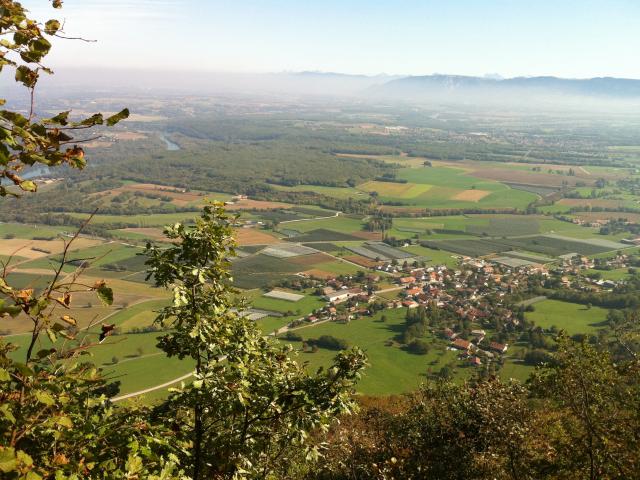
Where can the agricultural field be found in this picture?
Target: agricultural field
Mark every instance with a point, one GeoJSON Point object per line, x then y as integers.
{"type": "Point", "coordinates": [259, 270]}
{"type": "Point", "coordinates": [29, 232]}
{"type": "Point", "coordinates": [454, 188]}
{"type": "Point", "coordinates": [315, 208]}
{"type": "Point", "coordinates": [546, 245]}
{"type": "Point", "coordinates": [342, 193]}
{"type": "Point", "coordinates": [253, 236]}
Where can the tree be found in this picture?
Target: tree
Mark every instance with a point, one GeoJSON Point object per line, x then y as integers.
{"type": "Point", "coordinates": [251, 407]}
{"type": "Point", "coordinates": [55, 418]}
{"type": "Point", "coordinates": [27, 141]}
{"type": "Point", "coordinates": [597, 402]}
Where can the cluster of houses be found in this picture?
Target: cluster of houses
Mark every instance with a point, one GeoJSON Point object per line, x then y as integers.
{"type": "Point", "coordinates": [476, 349]}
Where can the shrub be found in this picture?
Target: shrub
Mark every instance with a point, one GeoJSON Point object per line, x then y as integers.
{"type": "Point", "coordinates": [329, 342]}
{"type": "Point", "coordinates": [419, 347]}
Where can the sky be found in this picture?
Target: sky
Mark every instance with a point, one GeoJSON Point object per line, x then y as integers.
{"type": "Point", "coordinates": [566, 38]}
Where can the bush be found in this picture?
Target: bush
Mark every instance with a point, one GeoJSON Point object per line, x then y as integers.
{"type": "Point", "coordinates": [537, 357]}
{"type": "Point", "coordinates": [329, 342]}
{"type": "Point", "coordinates": [419, 347]}
{"type": "Point", "coordinates": [292, 336]}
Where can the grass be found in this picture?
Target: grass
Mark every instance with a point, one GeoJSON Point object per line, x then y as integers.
{"type": "Point", "coordinates": [337, 267]}
{"type": "Point", "coordinates": [392, 370]}
{"type": "Point", "coordinates": [572, 317]}
{"type": "Point", "coordinates": [342, 224]}
{"type": "Point", "coordinates": [97, 256]}
{"type": "Point", "coordinates": [138, 365]}
{"type": "Point", "coordinates": [615, 275]}
{"type": "Point", "coordinates": [30, 231]}
{"type": "Point", "coordinates": [139, 315]}
{"type": "Point", "coordinates": [323, 235]}
{"type": "Point", "coordinates": [445, 183]}
{"type": "Point", "coordinates": [433, 257]}
{"type": "Point", "coordinates": [516, 370]}
{"type": "Point", "coordinates": [335, 192]}
{"type": "Point", "coordinates": [152, 220]}
{"type": "Point", "coordinates": [304, 306]}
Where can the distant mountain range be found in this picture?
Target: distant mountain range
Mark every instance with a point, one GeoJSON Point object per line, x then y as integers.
{"type": "Point", "coordinates": [462, 86]}
{"type": "Point", "coordinates": [532, 91]}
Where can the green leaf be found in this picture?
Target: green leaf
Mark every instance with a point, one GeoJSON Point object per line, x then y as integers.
{"type": "Point", "coordinates": [52, 26]}
{"type": "Point", "coordinates": [64, 421]}
{"type": "Point", "coordinates": [61, 118]}
{"type": "Point", "coordinates": [4, 375]}
{"type": "Point", "coordinates": [44, 397]}
{"type": "Point", "coordinates": [8, 462]}
{"type": "Point", "coordinates": [112, 120]}
{"type": "Point", "coordinates": [28, 186]}
{"type": "Point", "coordinates": [105, 294]}
{"type": "Point", "coordinates": [7, 413]}
{"type": "Point", "coordinates": [26, 76]}
{"type": "Point", "coordinates": [93, 120]}
{"type": "Point", "coordinates": [11, 310]}
{"type": "Point", "coordinates": [52, 336]}
{"type": "Point", "coordinates": [24, 458]}
{"type": "Point", "coordinates": [23, 369]}
{"type": "Point", "coordinates": [32, 476]}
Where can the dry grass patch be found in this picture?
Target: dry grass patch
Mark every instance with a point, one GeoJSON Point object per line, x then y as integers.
{"type": "Point", "coordinates": [525, 177]}
{"type": "Point", "coordinates": [33, 249]}
{"type": "Point", "coordinates": [252, 236]}
{"type": "Point", "coordinates": [471, 195]}
{"type": "Point", "coordinates": [368, 235]}
{"type": "Point", "coordinates": [313, 259]}
{"type": "Point", "coordinates": [320, 274]}
{"type": "Point", "coordinates": [595, 216]}
{"type": "Point", "coordinates": [588, 202]}
{"type": "Point", "coordinates": [362, 261]}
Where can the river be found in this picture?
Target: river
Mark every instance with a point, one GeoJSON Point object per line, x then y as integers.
{"type": "Point", "coordinates": [171, 146]}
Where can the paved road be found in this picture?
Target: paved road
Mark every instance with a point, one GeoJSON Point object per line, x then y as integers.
{"type": "Point", "coordinates": [311, 219]}
{"type": "Point", "coordinates": [151, 389]}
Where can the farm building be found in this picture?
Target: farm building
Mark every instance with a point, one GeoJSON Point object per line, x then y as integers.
{"type": "Point", "coordinates": [342, 295]}
{"type": "Point", "coordinates": [498, 347]}
{"type": "Point", "coordinates": [461, 344]}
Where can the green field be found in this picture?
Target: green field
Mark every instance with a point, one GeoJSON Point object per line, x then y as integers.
{"type": "Point", "coordinates": [444, 185]}
{"type": "Point", "coordinates": [392, 369]}
{"type": "Point", "coordinates": [335, 192]}
{"type": "Point", "coordinates": [107, 253]}
{"type": "Point", "coordinates": [572, 317]}
{"type": "Point", "coordinates": [31, 231]}
{"type": "Point", "coordinates": [341, 224]}
{"type": "Point", "coordinates": [546, 245]}
{"type": "Point", "coordinates": [304, 306]}
{"type": "Point", "coordinates": [151, 220]}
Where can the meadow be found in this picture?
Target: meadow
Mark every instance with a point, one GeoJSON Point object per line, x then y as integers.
{"type": "Point", "coordinates": [571, 317]}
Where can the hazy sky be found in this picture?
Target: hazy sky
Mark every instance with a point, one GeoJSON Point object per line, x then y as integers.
{"type": "Point", "coordinates": [569, 38]}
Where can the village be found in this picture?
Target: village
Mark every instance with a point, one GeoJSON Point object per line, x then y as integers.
{"type": "Point", "coordinates": [477, 313]}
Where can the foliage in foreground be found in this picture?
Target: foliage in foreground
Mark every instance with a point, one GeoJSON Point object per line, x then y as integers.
{"type": "Point", "coordinates": [578, 417]}
{"type": "Point", "coordinates": [251, 409]}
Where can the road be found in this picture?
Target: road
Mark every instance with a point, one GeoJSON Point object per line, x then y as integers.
{"type": "Point", "coordinates": [311, 219]}
{"type": "Point", "coordinates": [152, 389]}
